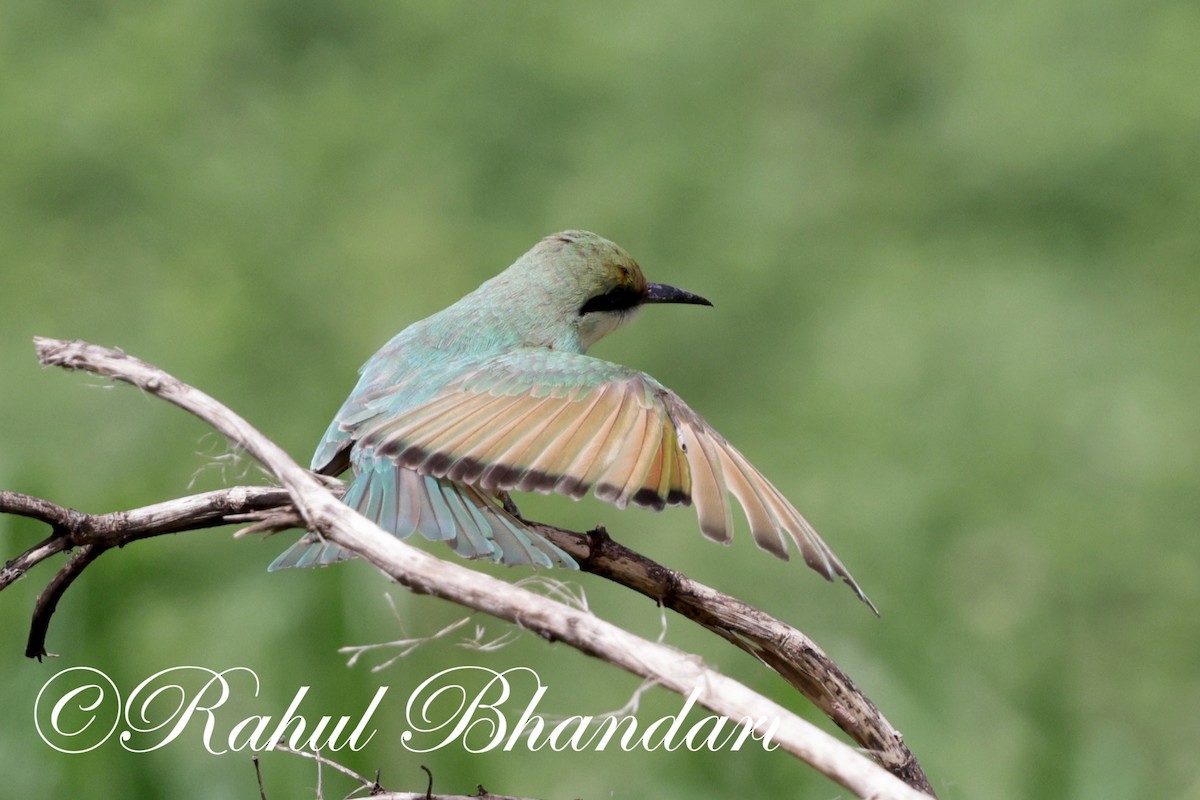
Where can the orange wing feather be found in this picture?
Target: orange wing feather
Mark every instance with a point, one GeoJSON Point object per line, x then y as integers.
{"type": "Point", "coordinates": [621, 435]}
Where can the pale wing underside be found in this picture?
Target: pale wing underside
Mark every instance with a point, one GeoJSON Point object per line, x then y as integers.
{"type": "Point", "coordinates": [626, 437]}
{"type": "Point", "coordinates": [611, 438]}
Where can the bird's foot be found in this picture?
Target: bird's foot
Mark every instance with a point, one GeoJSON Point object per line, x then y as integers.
{"type": "Point", "coordinates": [329, 481]}
{"type": "Point", "coordinates": [509, 506]}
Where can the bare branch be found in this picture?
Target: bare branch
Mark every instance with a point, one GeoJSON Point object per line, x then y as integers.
{"type": "Point", "coordinates": [47, 601]}
{"type": "Point", "coordinates": [425, 574]}
{"type": "Point", "coordinates": [95, 534]}
{"type": "Point", "coordinates": [59, 518]}
{"type": "Point", "coordinates": [783, 648]}
{"type": "Point", "coordinates": [71, 528]}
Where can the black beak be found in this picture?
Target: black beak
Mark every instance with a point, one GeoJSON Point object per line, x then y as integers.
{"type": "Point", "coordinates": [661, 293]}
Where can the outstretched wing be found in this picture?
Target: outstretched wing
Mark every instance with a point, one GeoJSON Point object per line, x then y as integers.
{"type": "Point", "coordinates": [553, 421]}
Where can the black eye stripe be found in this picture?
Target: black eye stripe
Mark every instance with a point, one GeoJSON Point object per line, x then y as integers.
{"type": "Point", "coordinates": [619, 298]}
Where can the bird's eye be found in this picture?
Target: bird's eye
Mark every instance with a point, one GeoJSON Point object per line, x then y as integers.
{"type": "Point", "coordinates": [618, 298]}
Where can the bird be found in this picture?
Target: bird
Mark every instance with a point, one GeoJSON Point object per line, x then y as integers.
{"type": "Point", "coordinates": [496, 393]}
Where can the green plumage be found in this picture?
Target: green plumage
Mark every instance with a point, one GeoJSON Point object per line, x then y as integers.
{"type": "Point", "coordinates": [496, 394]}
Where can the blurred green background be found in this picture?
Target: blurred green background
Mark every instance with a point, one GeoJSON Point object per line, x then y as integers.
{"type": "Point", "coordinates": [953, 252]}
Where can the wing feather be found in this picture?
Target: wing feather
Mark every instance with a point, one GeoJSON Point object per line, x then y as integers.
{"type": "Point", "coordinates": [622, 466]}
{"type": "Point", "coordinates": [491, 435]}
{"type": "Point", "coordinates": [496, 436]}
{"type": "Point", "coordinates": [556, 452]}
{"type": "Point", "coordinates": [708, 484]}
{"type": "Point", "coordinates": [442, 415]}
{"type": "Point", "coordinates": [527, 446]}
{"type": "Point", "coordinates": [580, 452]}
{"type": "Point", "coordinates": [466, 421]}
{"type": "Point", "coordinates": [553, 421]}
{"type": "Point", "coordinates": [640, 483]}
{"type": "Point", "coordinates": [763, 523]}
{"type": "Point", "coordinates": [677, 481]}
{"type": "Point", "coordinates": [816, 554]}
{"type": "Point", "coordinates": [615, 453]}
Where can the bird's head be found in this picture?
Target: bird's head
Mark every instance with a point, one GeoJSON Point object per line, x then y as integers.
{"type": "Point", "coordinates": [588, 286]}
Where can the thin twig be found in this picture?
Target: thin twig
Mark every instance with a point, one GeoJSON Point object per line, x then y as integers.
{"type": "Point", "coordinates": [429, 786]}
{"type": "Point", "coordinates": [423, 796]}
{"type": "Point", "coordinates": [47, 602]}
{"type": "Point", "coordinates": [262, 792]}
{"type": "Point", "coordinates": [321, 760]}
{"type": "Point", "coordinates": [375, 790]}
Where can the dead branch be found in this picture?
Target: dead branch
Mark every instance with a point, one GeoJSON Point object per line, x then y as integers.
{"type": "Point", "coordinates": [781, 647]}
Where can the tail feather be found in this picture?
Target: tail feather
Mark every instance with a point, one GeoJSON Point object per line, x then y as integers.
{"type": "Point", "coordinates": [402, 501]}
{"type": "Point", "coordinates": [465, 532]}
{"type": "Point", "coordinates": [515, 542]}
{"type": "Point", "coordinates": [310, 551]}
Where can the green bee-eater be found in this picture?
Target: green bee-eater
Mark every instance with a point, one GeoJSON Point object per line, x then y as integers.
{"type": "Point", "coordinates": [496, 394]}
